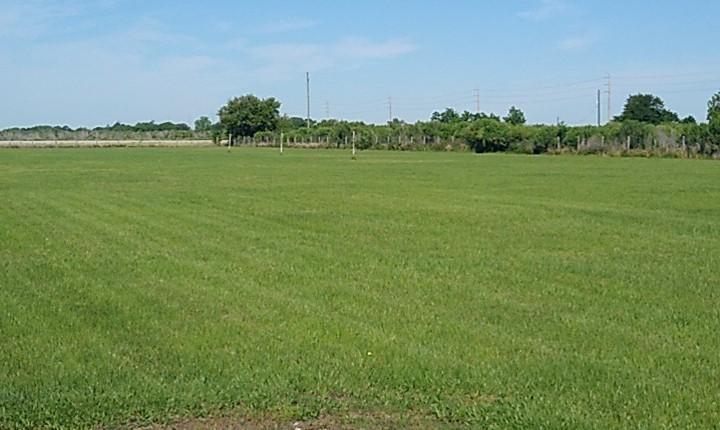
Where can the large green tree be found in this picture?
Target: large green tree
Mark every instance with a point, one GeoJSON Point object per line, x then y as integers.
{"type": "Point", "coordinates": [449, 115]}
{"type": "Point", "coordinates": [203, 124]}
{"type": "Point", "coordinates": [286, 123]}
{"type": "Point", "coordinates": [515, 116]}
{"type": "Point", "coordinates": [713, 117]}
{"type": "Point", "coordinates": [646, 108]}
{"type": "Point", "coordinates": [713, 113]}
{"type": "Point", "coordinates": [247, 115]}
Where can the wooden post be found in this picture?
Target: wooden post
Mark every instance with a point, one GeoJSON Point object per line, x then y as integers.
{"type": "Point", "coordinates": [353, 145]}
{"type": "Point", "coordinates": [281, 142]}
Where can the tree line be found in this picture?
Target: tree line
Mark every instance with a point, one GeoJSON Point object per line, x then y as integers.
{"type": "Point", "coordinates": [118, 131]}
{"type": "Point", "coordinates": [645, 127]}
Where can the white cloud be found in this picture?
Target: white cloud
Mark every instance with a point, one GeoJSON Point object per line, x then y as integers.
{"type": "Point", "coordinates": [285, 52]}
{"type": "Point", "coordinates": [35, 18]}
{"type": "Point", "coordinates": [350, 49]}
{"type": "Point", "coordinates": [107, 74]}
{"type": "Point", "coordinates": [282, 60]}
{"type": "Point", "coordinates": [362, 49]}
{"type": "Point", "coordinates": [148, 30]}
{"type": "Point", "coordinates": [287, 25]}
{"type": "Point", "coordinates": [238, 43]}
{"type": "Point", "coordinates": [547, 9]}
{"type": "Point", "coordinates": [575, 43]}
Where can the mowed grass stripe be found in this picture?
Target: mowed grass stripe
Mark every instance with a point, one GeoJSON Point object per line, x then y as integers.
{"type": "Point", "coordinates": [497, 291]}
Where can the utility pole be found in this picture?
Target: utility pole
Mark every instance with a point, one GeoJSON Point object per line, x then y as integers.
{"type": "Point", "coordinates": [390, 112]}
{"type": "Point", "coordinates": [477, 100]}
{"type": "Point", "coordinates": [599, 106]}
{"type": "Point", "coordinates": [327, 109]}
{"type": "Point", "coordinates": [307, 78]}
{"type": "Point", "coordinates": [609, 98]}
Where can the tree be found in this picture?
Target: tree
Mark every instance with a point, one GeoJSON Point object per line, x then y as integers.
{"type": "Point", "coordinates": [714, 121]}
{"type": "Point", "coordinates": [247, 115]}
{"type": "Point", "coordinates": [469, 116]}
{"type": "Point", "coordinates": [713, 113]}
{"type": "Point", "coordinates": [203, 124]}
{"type": "Point", "coordinates": [646, 108]}
{"type": "Point", "coordinates": [287, 123]}
{"type": "Point", "coordinates": [515, 116]}
{"type": "Point", "coordinates": [447, 116]}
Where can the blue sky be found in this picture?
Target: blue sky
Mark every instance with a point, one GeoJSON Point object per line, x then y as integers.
{"type": "Point", "coordinates": [88, 63]}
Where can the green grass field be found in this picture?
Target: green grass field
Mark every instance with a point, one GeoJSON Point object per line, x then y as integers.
{"type": "Point", "coordinates": [446, 290]}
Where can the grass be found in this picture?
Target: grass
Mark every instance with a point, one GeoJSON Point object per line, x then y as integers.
{"type": "Point", "coordinates": [497, 291]}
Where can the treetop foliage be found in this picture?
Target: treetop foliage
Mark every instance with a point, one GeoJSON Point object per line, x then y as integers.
{"type": "Point", "coordinates": [248, 114]}
{"type": "Point", "coordinates": [139, 127]}
{"type": "Point", "coordinates": [515, 116]}
{"type": "Point", "coordinates": [713, 112]}
{"type": "Point", "coordinates": [646, 108]}
{"type": "Point", "coordinates": [203, 124]}
{"type": "Point", "coordinates": [450, 115]}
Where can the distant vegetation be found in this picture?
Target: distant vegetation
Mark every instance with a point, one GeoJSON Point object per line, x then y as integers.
{"type": "Point", "coordinates": [139, 131]}
{"type": "Point", "coordinates": [645, 127]}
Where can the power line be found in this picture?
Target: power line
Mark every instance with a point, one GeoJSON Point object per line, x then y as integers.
{"type": "Point", "coordinates": [690, 90]}
{"type": "Point", "coordinates": [576, 87]}
{"type": "Point", "coordinates": [473, 96]}
{"type": "Point", "coordinates": [359, 112]}
{"type": "Point", "coordinates": [509, 99]}
{"type": "Point", "coordinates": [404, 102]}
{"type": "Point", "coordinates": [495, 93]}
{"type": "Point", "coordinates": [715, 81]}
{"type": "Point", "coordinates": [492, 97]}
{"type": "Point", "coordinates": [678, 75]}
{"type": "Point", "coordinates": [543, 87]}
{"type": "Point", "coordinates": [363, 103]}
{"type": "Point", "coordinates": [439, 98]}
